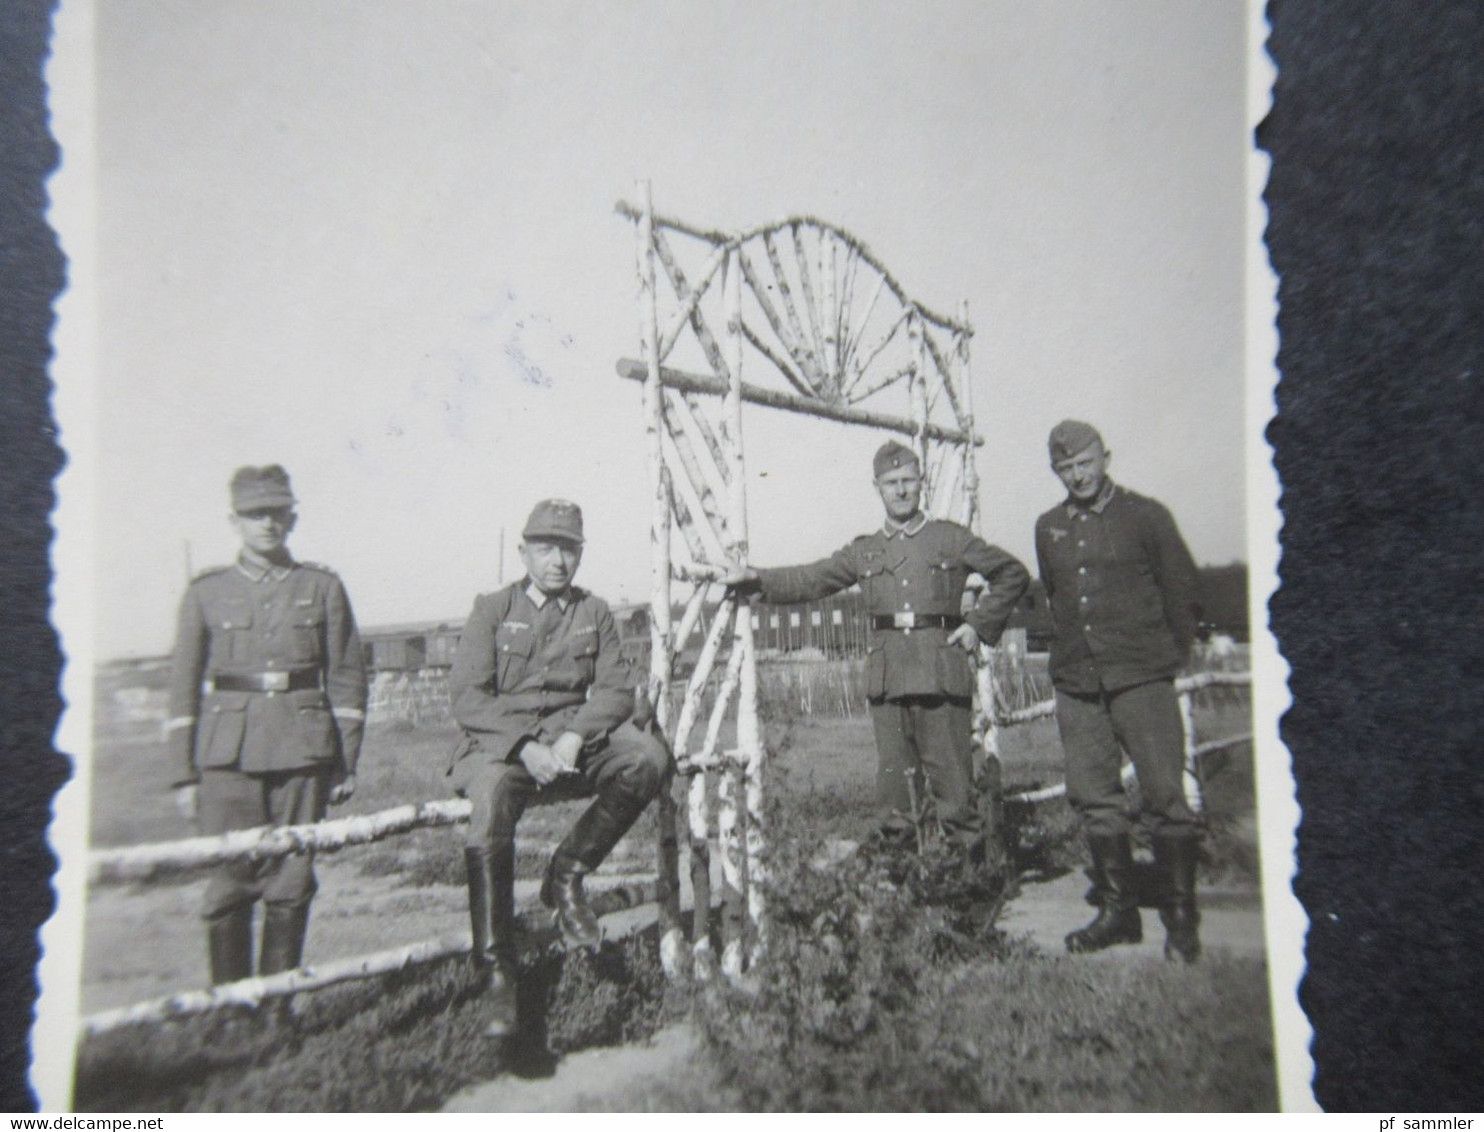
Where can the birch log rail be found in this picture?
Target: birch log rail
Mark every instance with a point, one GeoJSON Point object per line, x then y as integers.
{"type": "Point", "coordinates": [150, 862]}
{"type": "Point", "coordinates": [536, 928]}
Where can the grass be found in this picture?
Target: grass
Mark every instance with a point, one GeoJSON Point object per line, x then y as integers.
{"type": "Point", "coordinates": [404, 1042]}
{"type": "Point", "coordinates": [887, 990]}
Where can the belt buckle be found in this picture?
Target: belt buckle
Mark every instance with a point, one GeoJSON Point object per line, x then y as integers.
{"type": "Point", "coordinates": [905, 620]}
{"type": "Point", "coordinates": [275, 681]}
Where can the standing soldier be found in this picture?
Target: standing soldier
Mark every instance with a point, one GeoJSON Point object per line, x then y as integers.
{"type": "Point", "coordinates": [267, 708]}
{"type": "Point", "coordinates": [1125, 610]}
{"type": "Point", "coordinates": [541, 689]}
{"type": "Point", "coordinates": [919, 680]}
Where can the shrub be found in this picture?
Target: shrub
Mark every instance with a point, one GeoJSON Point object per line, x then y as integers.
{"type": "Point", "coordinates": [847, 1002]}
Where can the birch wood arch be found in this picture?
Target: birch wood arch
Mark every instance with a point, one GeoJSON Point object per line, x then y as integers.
{"type": "Point", "coordinates": [820, 327]}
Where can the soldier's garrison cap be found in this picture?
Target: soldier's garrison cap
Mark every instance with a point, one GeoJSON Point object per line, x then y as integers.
{"type": "Point", "coordinates": [255, 488]}
{"type": "Point", "coordinates": [555, 518]}
{"type": "Point", "coordinates": [1070, 438]}
{"type": "Point", "coordinates": [891, 456]}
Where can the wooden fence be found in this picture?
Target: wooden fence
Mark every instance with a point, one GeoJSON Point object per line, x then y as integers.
{"type": "Point", "coordinates": [147, 863]}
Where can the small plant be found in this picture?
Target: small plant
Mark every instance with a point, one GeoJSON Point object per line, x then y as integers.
{"type": "Point", "coordinates": [849, 993]}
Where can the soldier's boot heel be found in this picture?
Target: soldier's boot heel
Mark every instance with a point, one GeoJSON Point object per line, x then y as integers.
{"type": "Point", "coordinates": [229, 945]}
{"type": "Point", "coordinates": [491, 879]}
{"type": "Point", "coordinates": [1177, 860]}
{"type": "Point", "coordinates": [1118, 920]}
{"type": "Point", "coordinates": [561, 891]}
{"type": "Point", "coordinates": [1111, 926]}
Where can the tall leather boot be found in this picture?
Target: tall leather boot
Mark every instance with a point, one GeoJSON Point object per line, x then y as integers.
{"type": "Point", "coordinates": [229, 944]}
{"type": "Point", "coordinates": [1118, 919]}
{"type": "Point", "coordinates": [1176, 859]}
{"type": "Point", "coordinates": [491, 874]}
{"type": "Point", "coordinates": [284, 927]}
{"type": "Point", "coordinates": [597, 831]}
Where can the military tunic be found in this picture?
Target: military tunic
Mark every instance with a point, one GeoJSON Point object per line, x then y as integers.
{"type": "Point", "coordinates": [1125, 607]}
{"type": "Point", "coordinates": [267, 699]}
{"type": "Point", "coordinates": [920, 686]}
{"type": "Point", "coordinates": [528, 668]}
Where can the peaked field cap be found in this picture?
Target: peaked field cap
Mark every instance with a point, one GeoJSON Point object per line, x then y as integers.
{"type": "Point", "coordinates": [268, 486]}
{"type": "Point", "coordinates": [891, 456]}
{"type": "Point", "coordinates": [555, 518]}
{"type": "Point", "coordinates": [1070, 438]}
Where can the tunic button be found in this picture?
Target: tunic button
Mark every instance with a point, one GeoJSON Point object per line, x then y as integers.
{"type": "Point", "coordinates": [1081, 569]}
{"type": "Point", "coordinates": [1084, 599]}
{"type": "Point", "coordinates": [1081, 543]}
{"type": "Point", "coordinates": [1087, 628]}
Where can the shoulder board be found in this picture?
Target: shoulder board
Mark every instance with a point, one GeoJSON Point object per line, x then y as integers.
{"type": "Point", "coordinates": [320, 566]}
{"type": "Point", "coordinates": [210, 571]}
{"type": "Point", "coordinates": [867, 537]}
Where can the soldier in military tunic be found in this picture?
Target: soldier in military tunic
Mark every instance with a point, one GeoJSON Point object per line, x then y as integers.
{"type": "Point", "coordinates": [1125, 609]}
{"type": "Point", "coordinates": [919, 680]}
{"type": "Point", "coordinates": [267, 709]}
{"type": "Point", "coordinates": [543, 694]}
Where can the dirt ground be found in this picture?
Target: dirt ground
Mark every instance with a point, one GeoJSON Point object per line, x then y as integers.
{"type": "Point", "coordinates": [622, 1078]}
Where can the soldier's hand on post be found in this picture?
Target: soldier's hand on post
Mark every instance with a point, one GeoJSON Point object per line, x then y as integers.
{"type": "Point", "coordinates": [544, 766]}
{"type": "Point", "coordinates": [740, 578]}
{"type": "Point", "coordinates": [566, 749]}
{"type": "Point", "coordinates": [343, 790]}
{"type": "Point", "coordinates": [185, 802]}
{"type": "Point", "coordinates": [965, 637]}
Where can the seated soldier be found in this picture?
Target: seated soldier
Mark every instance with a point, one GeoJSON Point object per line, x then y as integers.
{"type": "Point", "coordinates": [542, 694]}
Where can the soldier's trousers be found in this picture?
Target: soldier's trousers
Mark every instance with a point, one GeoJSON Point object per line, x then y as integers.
{"type": "Point", "coordinates": [227, 800]}
{"type": "Point", "coordinates": [631, 761]}
{"type": "Point", "coordinates": [1144, 721]}
{"type": "Point", "coordinates": [926, 741]}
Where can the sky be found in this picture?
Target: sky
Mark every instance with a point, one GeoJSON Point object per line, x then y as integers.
{"type": "Point", "coordinates": [376, 242]}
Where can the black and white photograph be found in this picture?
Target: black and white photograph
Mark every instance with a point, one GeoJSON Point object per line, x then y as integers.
{"type": "Point", "coordinates": [666, 557]}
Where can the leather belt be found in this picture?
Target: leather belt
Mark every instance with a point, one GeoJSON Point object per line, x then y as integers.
{"type": "Point", "coordinates": [289, 680]}
{"type": "Point", "coordinates": [917, 621]}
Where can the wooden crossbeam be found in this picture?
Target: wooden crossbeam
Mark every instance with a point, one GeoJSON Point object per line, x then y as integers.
{"type": "Point", "coordinates": [773, 399]}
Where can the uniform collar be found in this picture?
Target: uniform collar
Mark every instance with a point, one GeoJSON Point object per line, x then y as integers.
{"type": "Point", "coordinates": [255, 570]}
{"type": "Point", "coordinates": [539, 598]}
{"type": "Point", "coordinates": [908, 529]}
{"type": "Point", "coordinates": [1098, 505]}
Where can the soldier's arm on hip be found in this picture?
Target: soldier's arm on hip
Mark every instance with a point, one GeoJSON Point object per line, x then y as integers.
{"type": "Point", "coordinates": [1007, 578]}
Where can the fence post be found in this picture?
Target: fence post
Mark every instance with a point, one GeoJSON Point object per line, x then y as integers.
{"type": "Point", "coordinates": [1192, 770]}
